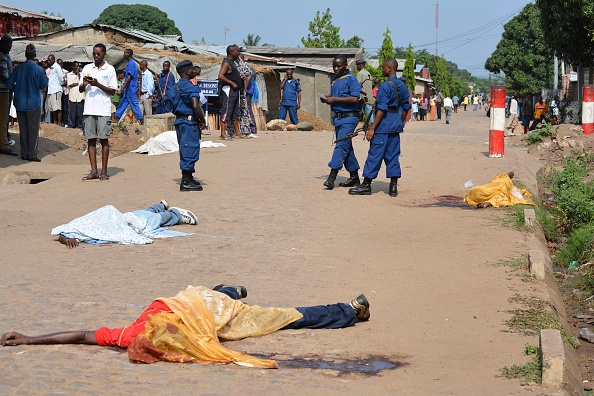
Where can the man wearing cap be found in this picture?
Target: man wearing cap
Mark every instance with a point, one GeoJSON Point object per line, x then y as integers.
{"type": "Point", "coordinates": [365, 79]}
{"type": "Point", "coordinates": [26, 81]}
{"type": "Point", "coordinates": [189, 121]}
{"type": "Point", "coordinates": [99, 82]}
{"type": "Point", "coordinates": [291, 97]}
{"type": "Point", "coordinates": [129, 91]}
{"type": "Point", "coordinates": [232, 87]}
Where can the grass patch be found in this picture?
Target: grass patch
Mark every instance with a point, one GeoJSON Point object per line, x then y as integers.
{"type": "Point", "coordinates": [531, 371]}
{"type": "Point", "coordinates": [579, 247]}
{"type": "Point", "coordinates": [538, 135]}
{"type": "Point", "coordinates": [532, 320]}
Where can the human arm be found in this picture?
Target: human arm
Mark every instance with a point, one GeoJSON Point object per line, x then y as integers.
{"type": "Point", "coordinates": [222, 75]}
{"type": "Point", "coordinates": [281, 86]}
{"type": "Point", "coordinates": [94, 83]}
{"type": "Point", "coordinates": [70, 242]}
{"type": "Point", "coordinates": [299, 99]}
{"type": "Point", "coordinates": [198, 112]}
{"type": "Point", "coordinates": [125, 84]}
{"type": "Point", "coordinates": [334, 99]}
{"type": "Point", "coordinates": [64, 337]}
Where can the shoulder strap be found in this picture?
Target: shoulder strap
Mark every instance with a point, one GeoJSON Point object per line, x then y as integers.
{"type": "Point", "coordinates": [340, 78]}
{"type": "Point", "coordinates": [396, 90]}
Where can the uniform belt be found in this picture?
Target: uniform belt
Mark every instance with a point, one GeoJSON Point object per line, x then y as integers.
{"type": "Point", "coordinates": [392, 109]}
{"type": "Point", "coordinates": [185, 117]}
{"type": "Point", "coordinates": [347, 114]}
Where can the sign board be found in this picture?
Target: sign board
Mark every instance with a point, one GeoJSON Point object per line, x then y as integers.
{"type": "Point", "coordinates": [209, 87]}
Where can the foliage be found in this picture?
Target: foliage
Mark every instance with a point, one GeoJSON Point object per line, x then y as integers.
{"type": "Point", "coordinates": [574, 198]}
{"type": "Point", "coordinates": [522, 53]}
{"type": "Point", "coordinates": [401, 52]}
{"type": "Point", "coordinates": [50, 27]}
{"type": "Point", "coordinates": [568, 27]}
{"type": "Point", "coordinates": [354, 42]}
{"type": "Point", "coordinates": [532, 320]}
{"type": "Point", "coordinates": [531, 371]}
{"type": "Point", "coordinates": [579, 247]}
{"type": "Point", "coordinates": [138, 16]}
{"type": "Point", "coordinates": [252, 40]}
{"type": "Point", "coordinates": [530, 350]}
{"type": "Point", "coordinates": [442, 77]}
{"type": "Point", "coordinates": [409, 69]}
{"type": "Point", "coordinates": [538, 135]}
{"type": "Point", "coordinates": [323, 34]}
{"type": "Point", "coordinates": [386, 51]}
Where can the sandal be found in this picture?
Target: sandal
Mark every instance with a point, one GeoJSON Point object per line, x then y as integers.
{"type": "Point", "coordinates": [91, 176]}
{"type": "Point", "coordinates": [104, 176]}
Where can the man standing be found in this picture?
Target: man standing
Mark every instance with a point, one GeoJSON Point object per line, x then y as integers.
{"type": "Point", "coordinates": [5, 45]}
{"type": "Point", "coordinates": [447, 105]}
{"type": "Point", "coordinates": [65, 109]}
{"type": "Point", "coordinates": [344, 102]}
{"type": "Point", "coordinates": [166, 83]}
{"type": "Point", "coordinates": [129, 91]}
{"type": "Point", "coordinates": [232, 86]}
{"type": "Point", "coordinates": [513, 114]}
{"type": "Point", "coordinates": [438, 103]}
{"type": "Point", "coordinates": [364, 78]}
{"type": "Point", "coordinates": [99, 83]}
{"type": "Point", "coordinates": [392, 107]}
{"type": "Point", "coordinates": [26, 81]}
{"type": "Point", "coordinates": [148, 89]}
{"type": "Point", "coordinates": [189, 121]}
{"type": "Point", "coordinates": [76, 98]}
{"type": "Point", "coordinates": [455, 101]}
{"type": "Point", "coordinates": [54, 89]}
{"type": "Point", "coordinates": [291, 100]}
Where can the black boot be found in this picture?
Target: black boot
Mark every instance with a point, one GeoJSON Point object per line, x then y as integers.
{"type": "Point", "coordinates": [363, 189]}
{"type": "Point", "coordinates": [393, 187]}
{"type": "Point", "coordinates": [352, 181]}
{"type": "Point", "coordinates": [187, 184]}
{"type": "Point", "coordinates": [329, 183]}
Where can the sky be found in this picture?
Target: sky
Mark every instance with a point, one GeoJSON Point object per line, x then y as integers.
{"type": "Point", "coordinates": [468, 30]}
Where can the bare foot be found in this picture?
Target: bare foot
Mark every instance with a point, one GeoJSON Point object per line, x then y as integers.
{"type": "Point", "coordinates": [483, 205]}
{"type": "Point", "coordinates": [511, 174]}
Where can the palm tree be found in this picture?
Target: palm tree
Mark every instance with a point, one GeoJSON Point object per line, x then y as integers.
{"type": "Point", "coordinates": [252, 40]}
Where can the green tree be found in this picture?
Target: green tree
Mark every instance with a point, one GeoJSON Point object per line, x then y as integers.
{"type": "Point", "coordinates": [138, 16]}
{"type": "Point", "coordinates": [354, 42]}
{"type": "Point", "coordinates": [400, 52]}
{"type": "Point", "coordinates": [409, 69]}
{"type": "Point", "coordinates": [442, 77]}
{"type": "Point", "coordinates": [50, 27]}
{"type": "Point", "coordinates": [322, 33]}
{"type": "Point", "coordinates": [252, 40]}
{"type": "Point", "coordinates": [522, 53]}
{"type": "Point", "coordinates": [568, 28]}
{"type": "Point", "coordinates": [386, 51]}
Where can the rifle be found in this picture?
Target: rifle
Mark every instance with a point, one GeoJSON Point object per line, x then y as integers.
{"type": "Point", "coordinates": [356, 132]}
{"type": "Point", "coordinates": [159, 86]}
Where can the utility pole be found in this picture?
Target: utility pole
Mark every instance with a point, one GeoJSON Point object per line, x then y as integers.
{"type": "Point", "coordinates": [226, 29]}
{"type": "Point", "coordinates": [436, 24]}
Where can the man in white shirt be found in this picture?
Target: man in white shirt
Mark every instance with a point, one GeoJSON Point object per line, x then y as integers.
{"type": "Point", "coordinates": [75, 98]}
{"type": "Point", "coordinates": [99, 82]}
{"type": "Point", "coordinates": [448, 105]}
{"type": "Point", "coordinates": [147, 90]}
{"type": "Point", "coordinates": [513, 114]}
{"type": "Point", "coordinates": [54, 89]}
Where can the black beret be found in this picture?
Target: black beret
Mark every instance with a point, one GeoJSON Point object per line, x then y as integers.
{"type": "Point", "coordinates": [30, 48]}
{"type": "Point", "coordinates": [360, 61]}
{"type": "Point", "coordinates": [184, 66]}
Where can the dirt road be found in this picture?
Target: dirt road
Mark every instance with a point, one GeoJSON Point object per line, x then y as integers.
{"type": "Point", "coordinates": [438, 302]}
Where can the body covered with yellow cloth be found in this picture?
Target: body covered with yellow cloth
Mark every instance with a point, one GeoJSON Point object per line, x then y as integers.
{"type": "Point", "coordinates": [499, 192]}
{"type": "Point", "coordinates": [200, 317]}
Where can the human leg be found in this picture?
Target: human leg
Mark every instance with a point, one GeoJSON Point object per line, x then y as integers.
{"type": "Point", "coordinates": [344, 153]}
{"type": "Point", "coordinates": [33, 122]}
{"type": "Point", "coordinates": [104, 158]}
{"type": "Point", "coordinates": [23, 133]}
{"type": "Point", "coordinates": [188, 138]}
{"type": "Point", "coordinates": [235, 292]}
{"type": "Point", "coordinates": [376, 153]}
{"type": "Point", "coordinates": [92, 150]}
{"type": "Point", "coordinates": [439, 111]}
{"type": "Point", "coordinates": [135, 107]}
{"type": "Point", "coordinates": [293, 115]}
{"type": "Point", "coordinates": [124, 103]}
{"type": "Point", "coordinates": [282, 112]}
{"type": "Point", "coordinates": [4, 109]}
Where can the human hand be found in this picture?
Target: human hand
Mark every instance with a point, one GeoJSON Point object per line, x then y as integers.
{"type": "Point", "coordinates": [369, 134]}
{"type": "Point", "coordinates": [13, 339]}
{"type": "Point", "coordinates": [329, 100]}
{"type": "Point", "coordinates": [298, 105]}
{"type": "Point", "coordinates": [233, 85]}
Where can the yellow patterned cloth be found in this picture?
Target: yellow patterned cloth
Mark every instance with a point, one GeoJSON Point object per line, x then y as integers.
{"type": "Point", "coordinates": [499, 192]}
{"type": "Point", "coordinates": [200, 317]}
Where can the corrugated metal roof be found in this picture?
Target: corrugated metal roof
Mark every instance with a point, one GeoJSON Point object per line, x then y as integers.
{"type": "Point", "coordinates": [300, 52]}
{"type": "Point", "coordinates": [68, 53]}
{"type": "Point", "coordinates": [29, 14]}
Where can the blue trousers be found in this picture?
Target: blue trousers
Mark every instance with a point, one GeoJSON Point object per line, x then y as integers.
{"type": "Point", "coordinates": [75, 114]}
{"type": "Point", "coordinates": [129, 99]}
{"type": "Point", "coordinates": [383, 147]}
{"type": "Point", "coordinates": [343, 153]}
{"type": "Point", "coordinates": [168, 217]}
{"type": "Point", "coordinates": [334, 316]}
{"type": "Point", "coordinates": [163, 107]}
{"type": "Point", "coordinates": [188, 138]}
{"type": "Point", "coordinates": [292, 109]}
{"type": "Point", "coordinates": [439, 111]}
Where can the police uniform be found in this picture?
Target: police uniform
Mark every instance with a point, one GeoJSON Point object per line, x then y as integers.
{"type": "Point", "coordinates": [345, 120]}
{"type": "Point", "coordinates": [186, 126]}
{"type": "Point", "coordinates": [385, 144]}
{"type": "Point", "coordinates": [289, 101]}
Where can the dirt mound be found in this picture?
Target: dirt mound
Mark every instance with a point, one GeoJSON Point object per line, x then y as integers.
{"type": "Point", "coordinates": [567, 139]}
{"type": "Point", "coordinates": [318, 124]}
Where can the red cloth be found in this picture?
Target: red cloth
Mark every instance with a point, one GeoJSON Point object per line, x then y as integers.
{"type": "Point", "coordinates": [124, 336]}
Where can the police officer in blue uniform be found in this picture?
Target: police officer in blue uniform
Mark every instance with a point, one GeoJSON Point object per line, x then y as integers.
{"type": "Point", "coordinates": [291, 97]}
{"type": "Point", "coordinates": [189, 120]}
{"type": "Point", "coordinates": [344, 102]}
{"type": "Point", "coordinates": [383, 134]}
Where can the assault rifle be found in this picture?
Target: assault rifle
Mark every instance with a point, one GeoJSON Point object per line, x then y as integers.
{"type": "Point", "coordinates": [357, 131]}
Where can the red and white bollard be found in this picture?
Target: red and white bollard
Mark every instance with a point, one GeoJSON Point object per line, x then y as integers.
{"type": "Point", "coordinates": [588, 109]}
{"type": "Point", "coordinates": [496, 133]}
